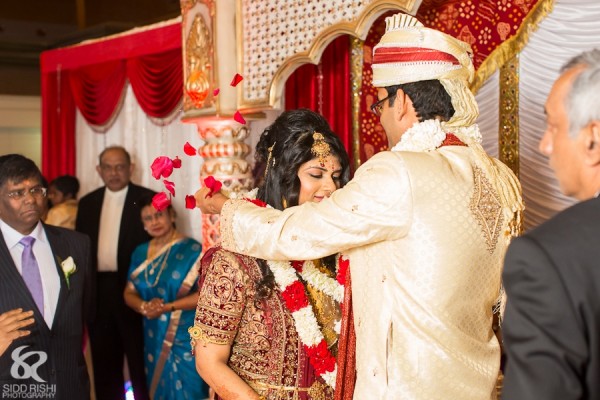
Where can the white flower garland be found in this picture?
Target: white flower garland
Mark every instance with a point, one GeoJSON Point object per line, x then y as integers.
{"type": "Point", "coordinates": [429, 135]}
{"type": "Point", "coordinates": [305, 320]}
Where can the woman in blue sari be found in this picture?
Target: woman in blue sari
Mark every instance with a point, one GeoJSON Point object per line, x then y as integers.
{"type": "Point", "coordinates": [162, 287]}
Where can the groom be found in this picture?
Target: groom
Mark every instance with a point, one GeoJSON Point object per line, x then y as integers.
{"type": "Point", "coordinates": [44, 270]}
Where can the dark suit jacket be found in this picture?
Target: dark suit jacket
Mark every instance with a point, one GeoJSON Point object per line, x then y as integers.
{"type": "Point", "coordinates": [552, 321]}
{"type": "Point", "coordinates": [65, 366]}
{"type": "Point", "coordinates": [131, 231]}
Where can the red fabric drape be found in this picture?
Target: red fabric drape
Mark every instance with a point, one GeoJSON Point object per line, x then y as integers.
{"type": "Point", "coordinates": [157, 81]}
{"type": "Point", "coordinates": [97, 90]}
{"type": "Point", "coordinates": [92, 78]}
{"type": "Point", "coordinates": [326, 89]}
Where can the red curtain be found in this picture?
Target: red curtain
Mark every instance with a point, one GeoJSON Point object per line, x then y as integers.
{"type": "Point", "coordinates": [97, 90]}
{"type": "Point", "coordinates": [92, 78]}
{"type": "Point", "coordinates": [325, 88]}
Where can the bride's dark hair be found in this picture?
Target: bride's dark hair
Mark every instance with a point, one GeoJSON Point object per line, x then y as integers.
{"type": "Point", "coordinates": [290, 139]}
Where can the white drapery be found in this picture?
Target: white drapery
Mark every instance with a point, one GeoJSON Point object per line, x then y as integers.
{"type": "Point", "coordinates": [145, 141]}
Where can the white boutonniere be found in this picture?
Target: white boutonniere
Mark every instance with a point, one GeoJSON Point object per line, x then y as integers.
{"type": "Point", "coordinates": [69, 268]}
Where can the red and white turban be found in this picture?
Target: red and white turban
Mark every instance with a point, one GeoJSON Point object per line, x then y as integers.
{"type": "Point", "coordinates": [410, 52]}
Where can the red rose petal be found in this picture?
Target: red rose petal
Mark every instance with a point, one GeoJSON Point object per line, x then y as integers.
{"type": "Point", "coordinates": [213, 184]}
{"type": "Point", "coordinates": [238, 118]}
{"type": "Point", "coordinates": [162, 166]}
{"type": "Point", "coordinates": [216, 92]}
{"type": "Point", "coordinates": [190, 202]}
{"type": "Point", "coordinates": [176, 162]}
{"type": "Point", "coordinates": [170, 186]}
{"type": "Point", "coordinates": [257, 202]}
{"type": "Point", "coordinates": [161, 201]}
{"type": "Point", "coordinates": [189, 149]}
{"type": "Point", "coordinates": [236, 79]}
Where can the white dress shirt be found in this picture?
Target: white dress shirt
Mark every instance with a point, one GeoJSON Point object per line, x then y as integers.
{"type": "Point", "coordinates": [110, 224]}
{"type": "Point", "coordinates": [46, 262]}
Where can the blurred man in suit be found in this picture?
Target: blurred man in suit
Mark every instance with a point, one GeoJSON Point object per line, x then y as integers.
{"type": "Point", "coordinates": [552, 274]}
{"type": "Point", "coordinates": [45, 271]}
{"type": "Point", "coordinates": [110, 216]}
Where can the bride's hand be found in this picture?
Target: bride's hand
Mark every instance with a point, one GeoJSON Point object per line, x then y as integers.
{"type": "Point", "coordinates": [209, 202]}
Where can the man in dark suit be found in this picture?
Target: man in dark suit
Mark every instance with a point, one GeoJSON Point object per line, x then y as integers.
{"type": "Point", "coordinates": [46, 271]}
{"type": "Point", "coordinates": [552, 274]}
{"type": "Point", "coordinates": [110, 216]}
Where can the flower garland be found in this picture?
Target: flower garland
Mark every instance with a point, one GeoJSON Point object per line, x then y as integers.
{"type": "Point", "coordinates": [430, 134]}
{"type": "Point", "coordinates": [296, 300]}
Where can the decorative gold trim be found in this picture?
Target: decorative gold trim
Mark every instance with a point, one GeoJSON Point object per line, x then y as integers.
{"type": "Point", "coordinates": [511, 47]}
{"type": "Point", "coordinates": [508, 135]}
{"type": "Point", "coordinates": [356, 72]}
{"type": "Point", "coordinates": [486, 208]}
{"type": "Point", "coordinates": [355, 28]}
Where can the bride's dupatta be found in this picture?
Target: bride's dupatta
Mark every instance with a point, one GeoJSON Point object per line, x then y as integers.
{"type": "Point", "coordinates": [171, 330]}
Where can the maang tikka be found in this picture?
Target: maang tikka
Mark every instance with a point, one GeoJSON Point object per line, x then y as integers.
{"type": "Point", "coordinates": [320, 148]}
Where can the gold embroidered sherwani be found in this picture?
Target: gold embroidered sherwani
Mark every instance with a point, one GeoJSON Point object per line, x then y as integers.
{"type": "Point", "coordinates": [426, 235]}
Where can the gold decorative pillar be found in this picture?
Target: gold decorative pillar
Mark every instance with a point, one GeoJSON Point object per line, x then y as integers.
{"type": "Point", "coordinates": [210, 102]}
{"type": "Point", "coordinates": [224, 154]}
{"type": "Point", "coordinates": [356, 72]}
{"type": "Point", "coordinates": [508, 137]}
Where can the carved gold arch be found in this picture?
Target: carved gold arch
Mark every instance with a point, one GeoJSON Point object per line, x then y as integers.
{"type": "Point", "coordinates": [270, 96]}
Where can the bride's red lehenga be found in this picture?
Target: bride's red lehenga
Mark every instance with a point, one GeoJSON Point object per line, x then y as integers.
{"type": "Point", "coordinates": [266, 351]}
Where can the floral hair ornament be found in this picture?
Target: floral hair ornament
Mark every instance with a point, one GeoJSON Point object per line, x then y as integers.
{"type": "Point", "coordinates": [320, 148]}
{"type": "Point", "coordinates": [214, 185]}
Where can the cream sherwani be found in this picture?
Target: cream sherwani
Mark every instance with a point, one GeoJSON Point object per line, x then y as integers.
{"type": "Point", "coordinates": [426, 235]}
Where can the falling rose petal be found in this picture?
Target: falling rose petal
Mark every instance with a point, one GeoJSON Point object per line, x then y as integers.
{"type": "Point", "coordinates": [189, 149]}
{"type": "Point", "coordinates": [213, 184]}
{"type": "Point", "coordinates": [236, 79]}
{"type": "Point", "coordinates": [238, 118]}
{"type": "Point", "coordinates": [190, 202]}
{"type": "Point", "coordinates": [216, 92]}
{"type": "Point", "coordinates": [176, 162]}
{"type": "Point", "coordinates": [162, 166]}
{"type": "Point", "coordinates": [161, 201]}
{"type": "Point", "coordinates": [170, 186]}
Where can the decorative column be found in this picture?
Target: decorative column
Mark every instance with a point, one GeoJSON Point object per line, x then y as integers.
{"type": "Point", "coordinates": [508, 137]}
{"type": "Point", "coordinates": [224, 156]}
{"type": "Point", "coordinates": [209, 101]}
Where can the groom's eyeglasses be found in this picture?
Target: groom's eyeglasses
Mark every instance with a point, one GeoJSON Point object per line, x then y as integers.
{"type": "Point", "coordinates": [377, 107]}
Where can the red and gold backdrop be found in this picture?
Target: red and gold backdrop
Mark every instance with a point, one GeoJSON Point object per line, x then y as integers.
{"type": "Point", "coordinates": [496, 30]}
